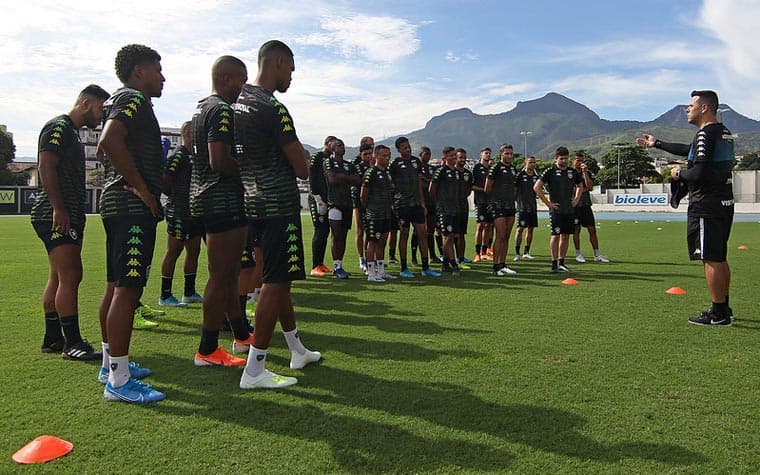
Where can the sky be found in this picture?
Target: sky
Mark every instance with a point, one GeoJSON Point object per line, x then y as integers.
{"type": "Point", "coordinates": [383, 68]}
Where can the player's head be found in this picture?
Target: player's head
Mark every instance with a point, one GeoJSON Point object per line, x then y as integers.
{"type": "Point", "coordinates": [90, 104]}
{"type": "Point", "coordinates": [276, 59]}
{"type": "Point", "coordinates": [365, 153]}
{"type": "Point", "coordinates": [485, 155]}
{"type": "Point", "coordinates": [382, 156]}
{"type": "Point", "coordinates": [139, 66]}
{"type": "Point", "coordinates": [449, 156]}
{"type": "Point", "coordinates": [338, 147]}
{"type": "Point", "coordinates": [461, 157]}
{"type": "Point", "coordinates": [367, 140]}
{"type": "Point", "coordinates": [327, 146]}
{"type": "Point", "coordinates": [530, 164]}
{"type": "Point", "coordinates": [702, 103]}
{"type": "Point", "coordinates": [403, 147]}
{"type": "Point", "coordinates": [187, 134]}
{"type": "Point", "coordinates": [425, 154]}
{"type": "Point", "coordinates": [578, 159]}
{"type": "Point", "coordinates": [507, 153]}
{"type": "Point", "coordinates": [561, 156]}
{"type": "Point", "coordinates": [228, 75]}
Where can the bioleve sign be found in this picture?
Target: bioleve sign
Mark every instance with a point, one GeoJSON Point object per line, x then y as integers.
{"type": "Point", "coordinates": [644, 199]}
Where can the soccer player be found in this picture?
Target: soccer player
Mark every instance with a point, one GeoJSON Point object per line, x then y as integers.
{"type": "Point", "coordinates": [58, 217]}
{"type": "Point", "coordinates": [341, 175]}
{"type": "Point", "coordinates": [500, 186]}
{"type": "Point", "coordinates": [584, 215]}
{"type": "Point", "coordinates": [406, 171]}
{"type": "Point", "coordinates": [465, 187]}
{"type": "Point", "coordinates": [318, 208]}
{"type": "Point", "coordinates": [527, 211]}
{"type": "Point", "coordinates": [216, 199]}
{"type": "Point", "coordinates": [430, 218]}
{"type": "Point", "coordinates": [565, 187]}
{"type": "Point", "coordinates": [484, 229]}
{"type": "Point", "coordinates": [365, 161]}
{"type": "Point", "coordinates": [182, 230]}
{"type": "Point", "coordinates": [376, 196]}
{"type": "Point", "coordinates": [711, 200]}
{"type": "Point", "coordinates": [271, 157]}
{"type": "Point", "coordinates": [444, 189]}
{"type": "Point", "coordinates": [130, 208]}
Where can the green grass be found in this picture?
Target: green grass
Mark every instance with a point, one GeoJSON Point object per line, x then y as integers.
{"type": "Point", "coordinates": [475, 374]}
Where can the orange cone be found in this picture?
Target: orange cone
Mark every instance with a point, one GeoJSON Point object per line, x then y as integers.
{"type": "Point", "coordinates": [675, 291]}
{"type": "Point", "coordinates": [570, 281]}
{"type": "Point", "coordinates": [743, 247]}
{"type": "Point", "coordinates": [43, 449]}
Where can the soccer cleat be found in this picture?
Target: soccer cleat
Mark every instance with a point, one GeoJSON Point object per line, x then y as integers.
{"type": "Point", "coordinates": [387, 276]}
{"type": "Point", "coordinates": [195, 298]}
{"type": "Point", "coordinates": [505, 271]}
{"type": "Point", "coordinates": [563, 268]}
{"type": "Point", "coordinates": [140, 323]}
{"type": "Point", "coordinates": [580, 258]}
{"type": "Point", "coordinates": [218, 357]}
{"type": "Point", "coordinates": [325, 269]}
{"type": "Point", "coordinates": [406, 274]}
{"type": "Point", "coordinates": [554, 270]}
{"type": "Point", "coordinates": [135, 372]}
{"type": "Point", "coordinates": [477, 258]}
{"type": "Point", "coordinates": [466, 260]}
{"type": "Point", "coordinates": [317, 272]}
{"type": "Point", "coordinates": [710, 318]}
{"type": "Point", "coordinates": [134, 391]}
{"type": "Point", "coordinates": [363, 266]}
{"type": "Point", "coordinates": [601, 258]}
{"type": "Point", "coordinates": [148, 312]}
{"type": "Point", "coordinates": [393, 260]}
{"type": "Point", "coordinates": [171, 301]}
{"type": "Point", "coordinates": [53, 346]}
{"type": "Point", "coordinates": [265, 380]}
{"type": "Point", "coordinates": [516, 258]}
{"type": "Point", "coordinates": [489, 252]}
{"type": "Point", "coordinates": [340, 273]}
{"type": "Point", "coordinates": [430, 273]}
{"type": "Point", "coordinates": [298, 361]}
{"type": "Point", "coordinates": [464, 266]}
{"type": "Point", "coordinates": [528, 256]}
{"type": "Point", "coordinates": [487, 257]}
{"type": "Point", "coordinates": [82, 351]}
{"type": "Point", "coordinates": [242, 346]}
{"type": "Point", "coordinates": [375, 279]}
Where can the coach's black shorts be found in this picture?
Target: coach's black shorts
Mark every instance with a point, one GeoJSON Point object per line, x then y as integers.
{"type": "Point", "coordinates": [375, 228]}
{"type": "Point", "coordinates": [282, 247]}
{"type": "Point", "coordinates": [220, 223]}
{"type": "Point", "coordinates": [707, 238]}
{"type": "Point", "coordinates": [52, 238]}
{"type": "Point", "coordinates": [527, 219]}
{"type": "Point", "coordinates": [129, 249]}
{"type": "Point", "coordinates": [503, 213]}
{"type": "Point", "coordinates": [184, 228]}
{"type": "Point", "coordinates": [584, 216]}
{"type": "Point", "coordinates": [448, 224]}
{"type": "Point", "coordinates": [484, 213]}
{"type": "Point", "coordinates": [562, 223]}
{"type": "Point", "coordinates": [410, 215]}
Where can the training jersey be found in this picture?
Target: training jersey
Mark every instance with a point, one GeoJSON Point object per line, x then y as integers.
{"type": "Point", "coordinates": [427, 174]}
{"type": "Point", "coordinates": [708, 173]}
{"type": "Point", "coordinates": [131, 108]}
{"type": "Point", "coordinates": [406, 178]}
{"type": "Point", "coordinates": [379, 186]}
{"type": "Point", "coordinates": [361, 168]}
{"type": "Point", "coordinates": [586, 194]}
{"type": "Point", "coordinates": [503, 186]}
{"type": "Point", "coordinates": [480, 173]}
{"type": "Point", "coordinates": [447, 181]}
{"type": "Point", "coordinates": [212, 193]}
{"type": "Point", "coordinates": [526, 195]}
{"type": "Point", "coordinates": [465, 185]}
{"type": "Point", "coordinates": [179, 169]}
{"type": "Point", "coordinates": [317, 179]}
{"type": "Point", "coordinates": [561, 187]}
{"type": "Point", "coordinates": [263, 126]}
{"type": "Point", "coordinates": [339, 196]}
{"type": "Point", "coordinates": [61, 137]}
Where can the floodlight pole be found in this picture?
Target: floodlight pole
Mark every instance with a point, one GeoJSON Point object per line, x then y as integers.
{"type": "Point", "coordinates": [618, 147]}
{"type": "Point", "coordinates": [525, 134]}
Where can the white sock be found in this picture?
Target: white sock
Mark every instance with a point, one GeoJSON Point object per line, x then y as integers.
{"type": "Point", "coordinates": [577, 252]}
{"type": "Point", "coordinates": [119, 374]}
{"type": "Point", "coordinates": [337, 264]}
{"type": "Point", "coordinates": [371, 271]}
{"type": "Point", "coordinates": [294, 341]}
{"type": "Point", "coordinates": [381, 268]}
{"type": "Point", "coordinates": [256, 359]}
{"type": "Point", "coordinates": [596, 252]}
{"type": "Point", "coordinates": [106, 348]}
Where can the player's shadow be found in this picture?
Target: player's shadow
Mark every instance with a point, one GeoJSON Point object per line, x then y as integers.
{"type": "Point", "coordinates": [410, 325]}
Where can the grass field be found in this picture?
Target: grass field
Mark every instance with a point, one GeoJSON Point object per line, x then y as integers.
{"type": "Point", "coordinates": [471, 374]}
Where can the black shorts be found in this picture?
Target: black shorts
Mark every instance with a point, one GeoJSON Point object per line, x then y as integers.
{"type": "Point", "coordinates": [375, 228]}
{"type": "Point", "coordinates": [129, 249]}
{"type": "Point", "coordinates": [282, 247]}
{"type": "Point", "coordinates": [185, 228]}
{"type": "Point", "coordinates": [316, 218]}
{"type": "Point", "coordinates": [707, 238]}
{"type": "Point", "coordinates": [248, 259]}
{"type": "Point", "coordinates": [484, 213]}
{"type": "Point", "coordinates": [52, 238]}
{"type": "Point", "coordinates": [584, 216]}
{"type": "Point", "coordinates": [464, 220]}
{"type": "Point", "coordinates": [410, 215]}
{"type": "Point", "coordinates": [448, 224]}
{"type": "Point", "coordinates": [562, 223]}
{"type": "Point", "coordinates": [503, 213]}
{"type": "Point", "coordinates": [220, 223]}
{"type": "Point", "coordinates": [344, 215]}
{"type": "Point", "coordinates": [527, 219]}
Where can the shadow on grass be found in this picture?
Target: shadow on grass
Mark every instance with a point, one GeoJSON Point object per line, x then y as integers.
{"type": "Point", "coordinates": [386, 324]}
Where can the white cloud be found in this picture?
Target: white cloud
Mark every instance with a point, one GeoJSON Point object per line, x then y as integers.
{"type": "Point", "coordinates": [451, 57]}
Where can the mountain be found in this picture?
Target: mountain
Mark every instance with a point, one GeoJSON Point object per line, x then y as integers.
{"type": "Point", "coordinates": [736, 123]}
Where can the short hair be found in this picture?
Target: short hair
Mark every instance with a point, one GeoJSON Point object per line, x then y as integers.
{"type": "Point", "coordinates": [399, 141]}
{"type": "Point", "coordinates": [226, 64]}
{"type": "Point", "coordinates": [185, 126]}
{"type": "Point", "coordinates": [93, 91]}
{"type": "Point", "coordinates": [561, 152]}
{"type": "Point", "coordinates": [329, 139]}
{"type": "Point", "coordinates": [425, 148]}
{"type": "Point", "coordinates": [709, 98]}
{"type": "Point", "coordinates": [364, 146]}
{"type": "Point", "coordinates": [579, 155]}
{"type": "Point", "coordinates": [447, 149]}
{"type": "Point", "coordinates": [485, 149]}
{"type": "Point", "coordinates": [366, 140]}
{"type": "Point", "coordinates": [337, 140]}
{"type": "Point", "coordinates": [130, 56]}
{"type": "Point", "coordinates": [505, 146]}
{"type": "Point", "coordinates": [274, 48]}
{"type": "Point", "coordinates": [461, 150]}
{"type": "Point", "coordinates": [382, 147]}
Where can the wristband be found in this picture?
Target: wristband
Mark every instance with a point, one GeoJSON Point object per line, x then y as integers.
{"type": "Point", "coordinates": [658, 143]}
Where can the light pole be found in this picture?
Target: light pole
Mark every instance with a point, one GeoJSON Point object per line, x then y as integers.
{"type": "Point", "coordinates": [525, 134]}
{"type": "Point", "coordinates": [720, 113]}
{"type": "Point", "coordinates": [618, 147]}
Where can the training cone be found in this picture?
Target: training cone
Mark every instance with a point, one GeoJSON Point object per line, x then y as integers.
{"type": "Point", "coordinates": [675, 291]}
{"type": "Point", "coordinates": [570, 281]}
{"type": "Point", "coordinates": [743, 247]}
{"type": "Point", "coordinates": [43, 449]}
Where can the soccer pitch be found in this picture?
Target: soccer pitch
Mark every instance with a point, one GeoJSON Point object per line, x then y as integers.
{"type": "Point", "coordinates": [455, 375]}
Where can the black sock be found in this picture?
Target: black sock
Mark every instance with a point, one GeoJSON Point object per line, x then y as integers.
{"type": "Point", "coordinates": [403, 265]}
{"type": "Point", "coordinates": [554, 264]}
{"type": "Point", "coordinates": [52, 327]}
{"type": "Point", "coordinates": [209, 341]}
{"type": "Point", "coordinates": [496, 267]}
{"type": "Point", "coordinates": [517, 250]}
{"type": "Point", "coordinates": [425, 263]}
{"type": "Point", "coordinates": [189, 285]}
{"type": "Point", "coordinates": [431, 245]}
{"type": "Point", "coordinates": [319, 243]}
{"type": "Point", "coordinates": [527, 249]}
{"type": "Point", "coordinates": [477, 249]}
{"type": "Point", "coordinates": [720, 309]}
{"type": "Point", "coordinates": [415, 245]}
{"type": "Point", "coordinates": [166, 287]}
{"type": "Point", "coordinates": [239, 327]}
{"type": "Point", "coordinates": [562, 262]}
{"type": "Point", "coordinates": [489, 244]}
{"type": "Point", "coordinates": [70, 327]}
{"type": "Point", "coordinates": [439, 243]}
{"type": "Point", "coordinates": [243, 299]}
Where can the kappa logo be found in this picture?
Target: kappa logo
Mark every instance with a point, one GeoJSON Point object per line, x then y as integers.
{"type": "Point", "coordinates": [133, 273]}
{"type": "Point", "coordinates": [294, 268]}
{"type": "Point", "coordinates": [55, 235]}
{"type": "Point", "coordinates": [292, 238]}
{"type": "Point", "coordinates": [133, 262]}
{"type": "Point", "coordinates": [134, 252]}
{"type": "Point", "coordinates": [293, 248]}
{"type": "Point", "coordinates": [293, 259]}
{"type": "Point", "coordinates": [135, 230]}
{"type": "Point", "coordinates": [134, 240]}
{"type": "Point", "coordinates": [291, 228]}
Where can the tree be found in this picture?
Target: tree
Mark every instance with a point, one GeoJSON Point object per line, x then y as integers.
{"type": "Point", "coordinates": [635, 164]}
{"type": "Point", "coordinates": [750, 162]}
{"type": "Point", "coordinates": [7, 154]}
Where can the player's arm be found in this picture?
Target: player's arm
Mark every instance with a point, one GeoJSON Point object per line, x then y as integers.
{"type": "Point", "coordinates": [220, 159]}
{"type": "Point", "coordinates": [49, 176]}
{"type": "Point", "coordinates": [699, 170]}
{"type": "Point", "coordinates": [488, 187]}
{"type": "Point", "coordinates": [298, 158]}
{"type": "Point", "coordinates": [578, 191]}
{"type": "Point", "coordinates": [170, 173]}
{"type": "Point", "coordinates": [649, 140]}
{"type": "Point", "coordinates": [539, 189]}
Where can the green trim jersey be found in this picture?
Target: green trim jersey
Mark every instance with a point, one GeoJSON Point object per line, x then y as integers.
{"type": "Point", "coordinates": [447, 181]}
{"type": "Point", "coordinates": [212, 193]}
{"type": "Point", "coordinates": [61, 137]}
{"type": "Point", "coordinates": [179, 167]}
{"type": "Point", "coordinates": [339, 196]}
{"type": "Point", "coordinates": [317, 179]}
{"type": "Point", "coordinates": [480, 173]}
{"type": "Point", "coordinates": [526, 195]}
{"type": "Point", "coordinates": [561, 185]}
{"type": "Point", "coordinates": [131, 108]}
{"type": "Point", "coordinates": [262, 127]}
{"type": "Point", "coordinates": [379, 186]}
{"type": "Point", "coordinates": [503, 186]}
{"type": "Point", "coordinates": [465, 186]}
{"type": "Point", "coordinates": [428, 171]}
{"type": "Point", "coordinates": [406, 178]}
{"type": "Point", "coordinates": [361, 169]}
